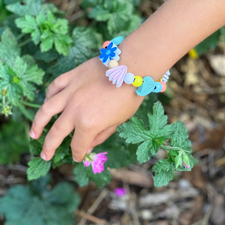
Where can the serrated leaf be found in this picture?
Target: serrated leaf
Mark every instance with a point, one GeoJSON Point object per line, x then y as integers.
{"type": "Point", "coordinates": [9, 49]}
{"type": "Point", "coordinates": [62, 44]}
{"type": "Point", "coordinates": [12, 148]}
{"type": "Point", "coordinates": [164, 172]}
{"type": "Point", "coordinates": [37, 168]}
{"type": "Point", "coordinates": [136, 132]}
{"type": "Point", "coordinates": [30, 7]}
{"type": "Point", "coordinates": [46, 44]}
{"type": "Point", "coordinates": [86, 45]}
{"type": "Point", "coordinates": [25, 206]}
{"type": "Point", "coordinates": [117, 15]}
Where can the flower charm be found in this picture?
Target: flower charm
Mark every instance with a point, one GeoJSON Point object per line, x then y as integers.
{"type": "Point", "coordinates": [111, 52]}
{"type": "Point", "coordinates": [96, 160]}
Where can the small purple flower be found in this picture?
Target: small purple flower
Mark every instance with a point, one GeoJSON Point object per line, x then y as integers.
{"type": "Point", "coordinates": [96, 160]}
{"type": "Point", "coordinates": [120, 191]}
{"type": "Point", "coordinates": [186, 165]}
{"type": "Point", "coordinates": [109, 52]}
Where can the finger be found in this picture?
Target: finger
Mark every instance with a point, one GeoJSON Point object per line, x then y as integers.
{"type": "Point", "coordinates": [102, 136]}
{"type": "Point", "coordinates": [50, 108]}
{"type": "Point", "coordinates": [58, 85]}
{"type": "Point", "coordinates": [60, 129]}
{"type": "Point", "coordinates": [81, 143]}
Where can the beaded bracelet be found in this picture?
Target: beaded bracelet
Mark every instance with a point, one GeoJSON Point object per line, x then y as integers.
{"type": "Point", "coordinates": [118, 74]}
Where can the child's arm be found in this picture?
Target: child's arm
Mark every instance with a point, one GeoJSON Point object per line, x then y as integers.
{"type": "Point", "coordinates": [93, 106]}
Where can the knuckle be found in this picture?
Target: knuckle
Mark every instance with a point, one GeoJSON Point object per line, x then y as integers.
{"type": "Point", "coordinates": [58, 81]}
{"type": "Point", "coordinates": [87, 125]}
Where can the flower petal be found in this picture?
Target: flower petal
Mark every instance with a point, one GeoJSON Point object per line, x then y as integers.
{"type": "Point", "coordinates": [103, 50]}
{"type": "Point", "coordinates": [101, 56]}
{"type": "Point", "coordinates": [105, 58]}
{"type": "Point", "coordinates": [86, 163]}
{"type": "Point", "coordinates": [112, 54]}
{"type": "Point", "coordinates": [110, 46]}
{"type": "Point", "coordinates": [114, 49]}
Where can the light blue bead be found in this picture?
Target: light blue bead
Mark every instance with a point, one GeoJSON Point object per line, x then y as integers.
{"type": "Point", "coordinates": [158, 87]}
{"type": "Point", "coordinates": [147, 86]}
{"type": "Point", "coordinates": [129, 78]}
{"type": "Point", "coordinates": [117, 40]}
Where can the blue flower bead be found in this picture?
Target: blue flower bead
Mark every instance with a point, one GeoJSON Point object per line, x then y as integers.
{"type": "Point", "coordinates": [111, 52]}
{"type": "Point", "coordinates": [158, 87]}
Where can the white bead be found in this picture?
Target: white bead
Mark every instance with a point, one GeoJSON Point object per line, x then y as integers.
{"type": "Point", "coordinates": [112, 63]}
{"type": "Point", "coordinates": [129, 78]}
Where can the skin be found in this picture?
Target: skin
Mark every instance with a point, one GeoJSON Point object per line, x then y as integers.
{"type": "Point", "coordinates": [93, 106]}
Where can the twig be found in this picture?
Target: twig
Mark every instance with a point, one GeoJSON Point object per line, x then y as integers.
{"type": "Point", "coordinates": [94, 206]}
{"type": "Point", "coordinates": [90, 218]}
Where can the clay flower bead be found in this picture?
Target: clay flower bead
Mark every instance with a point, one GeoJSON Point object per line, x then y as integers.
{"type": "Point", "coordinates": [96, 161]}
{"type": "Point", "coordinates": [111, 52]}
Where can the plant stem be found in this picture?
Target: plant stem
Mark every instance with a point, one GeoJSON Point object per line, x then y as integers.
{"type": "Point", "coordinates": [31, 105]}
{"type": "Point", "coordinates": [25, 42]}
{"type": "Point", "coordinates": [174, 148]}
{"type": "Point", "coordinates": [20, 36]}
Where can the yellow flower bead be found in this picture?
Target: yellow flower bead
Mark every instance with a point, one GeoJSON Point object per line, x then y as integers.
{"type": "Point", "coordinates": [137, 81]}
{"type": "Point", "coordinates": [112, 63]}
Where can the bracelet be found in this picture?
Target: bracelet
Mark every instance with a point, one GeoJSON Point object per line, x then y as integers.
{"type": "Point", "coordinates": [118, 73]}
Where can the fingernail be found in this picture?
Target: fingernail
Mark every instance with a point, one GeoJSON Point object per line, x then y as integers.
{"type": "Point", "coordinates": [32, 134]}
{"type": "Point", "coordinates": [90, 150]}
{"type": "Point", "coordinates": [75, 160]}
{"type": "Point", "coordinates": [43, 156]}
{"type": "Point", "coordinates": [45, 100]}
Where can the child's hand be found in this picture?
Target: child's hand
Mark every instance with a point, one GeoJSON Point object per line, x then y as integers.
{"type": "Point", "coordinates": [89, 103]}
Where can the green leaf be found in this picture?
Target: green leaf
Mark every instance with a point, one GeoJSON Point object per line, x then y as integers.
{"type": "Point", "coordinates": [27, 74]}
{"type": "Point", "coordinates": [46, 44]}
{"type": "Point", "coordinates": [12, 148]}
{"type": "Point", "coordinates": [28, 24]}
{"type": "Point", "coordinates": [6, 81]}
{"type": "Point", "coordinates": [180, 137]}
{"type": "Point", "coordinates": [164, 172]}
{"type": "Point", "coordinates": [86, 45]}
{"type": "Point", "coordinates": [178, 161]}
{"type": "Point", "coordinates": [9, 49]}
{"type": "Point", "coordinates": [27, 205]}
{"type": "Point", "coordinates": [61, 26]}
{"type": "Point", "coordinates": [62, 44]}
{"type": "Point", "coordinates": [37, 168]}
{"type": "Point", "coordinates": [83, 175]}
{"type": "Point", "coordinates": [209, 43]}
{"type": "Point", "coordinates": [186, 160]}
{"type": "Point", "coordinates": [30, 7]}
{"type": "Point", "coordinates": [117, 15]}
{"type": "Point", "coordinates": [136, 132]}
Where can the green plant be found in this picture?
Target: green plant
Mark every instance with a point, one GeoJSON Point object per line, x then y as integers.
{"type": "Point", "coordinates": [38, 204]}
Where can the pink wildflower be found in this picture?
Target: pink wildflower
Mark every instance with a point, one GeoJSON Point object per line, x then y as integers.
{"type": "Point", "coordinates": [96, 160]}
{"type": "Point", "coordinates": [186, 165]}
{"type": "Point", "coordinates": [120, 191]}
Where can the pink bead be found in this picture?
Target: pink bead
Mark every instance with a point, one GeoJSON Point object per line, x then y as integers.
{"type": "Point", "coordinates": [163, 86]}
{"type": "Point", "coordinates": [106, 43]}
